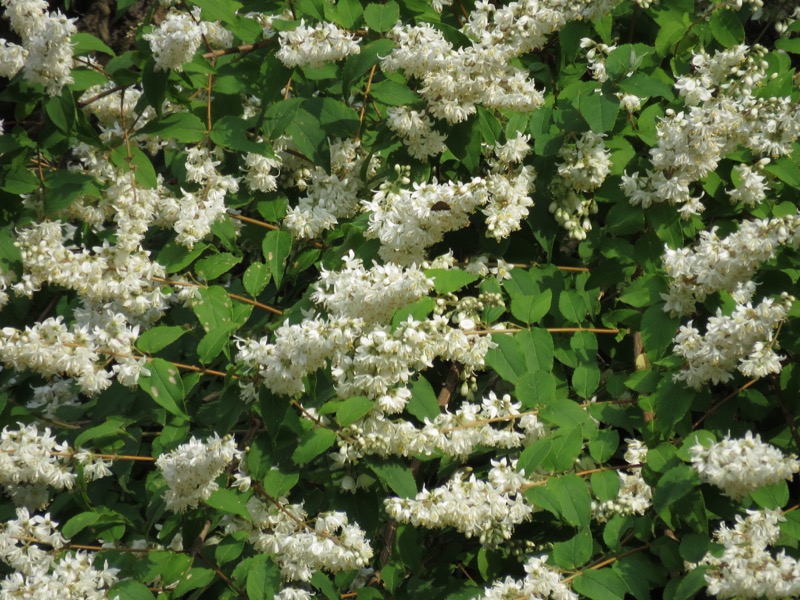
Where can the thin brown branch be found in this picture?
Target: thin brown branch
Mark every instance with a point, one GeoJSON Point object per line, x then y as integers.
{"type": "Point", "coordinates": [719, 404]}
{"type": "Point", "coordinates": [243, 49]}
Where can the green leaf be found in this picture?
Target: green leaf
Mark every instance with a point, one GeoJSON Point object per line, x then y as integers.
{"type": "Point", "coordinates": [534, 455]}
{"type": "Point", "coordinates": [86, 43]}
{"type": "Point", "coordinates": [602, 584]}
{"type": "Point", "coordinates": [197, 578]}
{"type": "Point", "coordinates": [231, 132]}
{"type": "Point", "coordinates": [348, 13]}
{"type": "Point", "coordinates": [585, 380]}
{"type": "Point", "coordinates": [418, 311]}
{"type": "Point", "coordinates": [536, 389]}
{"type": "Point", "coordinates": [61, 111]}
{"type": "Point", "coordinates": [423, 403]}
{"type": "Point", "coordinates": [216, 10]}
{"type": "Point", "coordinates": [674, 485]}
{"type": "Point", "coordinates": [727, 28]}
{"type": "Point", "coordinates": [138, 162]}
{"type": "Point", "coordinates": [531, 309]}
{"type": "Point", "coordinates": [537, 347]}
{"type": "Point", "coordinates": [215, 265]}
{"type": "Point", "coordinates": [112, 428]}
{"type": "Point", "coordinates": [214, 309]}
{"type": "Point", "coordinates": [671, 402]}
{"type": "Point", "coordinates": [572, 495]}
{"type": "Point", "coordinates": [567, 446]}
{"type": "Point", "coordinates": [575, 552]}
{"type": "Point", "coordinates": [791, 45]}
{"type": "Point", "coordinates": [572, 305]}
{"type": "Point", "coordinates": [176, 258]}
{"type": "Point", "coordinates": [603, 446]}
{"type": "Point", "coordinates": [263, 578]}
{"type": "Point", "coordinates": [78, 523]}
{"type": "Point", "coordinates": [357, 65]}
{"type": "Point", "coordinates": [691, 584]}
{"type": "Point", "coordinates": [671, 33]}
{"type": "Point", "coordinates": [771, 496]}
{"type": "Point", "coordinates": [658, 330]}
{"type": "Point", "coordinates": [646, 86]}
{"type": "Point", "coordinates": [447, 281]}
{"type": "Point", "coordinates": [130, 590]}
{"type": "Point", "coordinates": [382, 17]}
{"type": "Point", "coordinates": [64, 187]}
{"type": "Point", "coordinates": [312, 444]}
{"type": "Point", "coordinates": [165, 386]}
{"type": "Point", "coordinates": [644, 291]}
{"type": "Point", "coordinates": [397, 476]}
{"type": "Point", "coordinates": [464, 142]}
{"type": "Point", "coordinates": [605, 485]}
{"type": "Point", "coordinates": [182, 127]}
{"type": "Point", "coordinates": [256, 278]}
{"type": "Point", "coordinates": [228, 502]}
{"type": "Point", "coordinates": [352, 409]}
{"type": "Point", "coordinates": [334, 116]}
{"type": "Point", "coordinates": [228, 550]}
{"type": "Point", "coordinates": [278, 484]}
{"type": "Point", "coordinates": [599, 110]}
{"type": "Point", "coordinates": [159, 337]}
{"type": "Point", "coordinates": [276, 247]}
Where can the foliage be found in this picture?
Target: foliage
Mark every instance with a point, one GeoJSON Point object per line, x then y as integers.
{"type": "Point", "coordinates": [308, 306]}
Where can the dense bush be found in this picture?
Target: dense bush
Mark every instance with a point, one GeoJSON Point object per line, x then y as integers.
{"type": "Point", "coordinates": [401, 300]}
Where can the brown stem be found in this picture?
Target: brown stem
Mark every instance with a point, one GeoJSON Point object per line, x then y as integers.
{"type": "Point", "coordinates": [719, 404]}
{"type": "Point", "coordinates": [364, 104]}
{"type": "Point", "coordinates": [605, 562]}
{"type": "Point", "coordinates": [244, 48]}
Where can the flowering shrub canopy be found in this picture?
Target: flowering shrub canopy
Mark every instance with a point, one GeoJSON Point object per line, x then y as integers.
{"type": "Point", "coordinates": [401, 299]}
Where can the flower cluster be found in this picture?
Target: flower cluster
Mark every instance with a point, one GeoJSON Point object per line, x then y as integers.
{"type": "Point", "coordinates": [540, 581]}
{"type": "Point", "coordinates": [37, 574]}
{"type": "Point", "coordinates": [30, 462]}
{"type": "Point", "coordinates": [198, 211]}
{"type": "Point", "coordinates": [416, 130]}
{"type": "Point", "coordinates": [175, 41]}
{"type": "Point", "coordinates": [746, 568]}
{"type": "Point", "coordinates": [723, 112]}
{"type": "Point", "coordinates": [45, 56]}
{"type": "Point", "coordinates": [279, 528]}
{"type": "Point", "coordinates": [740, 466]}
{"type": "Point", "coordinates": [191, 469]}
{"type": "Point", "coordinates": [635, 495]}
{"type": "Point", "coordinates": [108, 276]}
{"type": "Point", "coordinates": [407, 221]}
{"type": "Point", "coordinates": [456, 434]}
{"type": "Point", "coordinates": [314, 46]}
{"type": "Point", "coordinates": [488, 509]}
{"type": "Point", "coordinates": [372, 295]}
{"type": "Point", "coordinates": [586, 163]}
{"type": "Point", "coordinates": [509, 186]}
{"type": "Point", "coordinates": [329, 196]}
{"type": "Point", "coordinates": [723, 264]}
{"type": "Point", "coordinates": [743, 340]}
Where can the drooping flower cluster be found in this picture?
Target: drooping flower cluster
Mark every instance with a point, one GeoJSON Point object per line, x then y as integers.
{"type": "Point", "coordinates": [198, 211]}
{"type": "Point", "coordinates": [416, 130]}
{"type": "Point", "coordinates": [722, 264]}
{"type": "Point", "coordinates": [175, 41]}
{"type": "Point", "coordinates": [314, 46]}
{"type": "Point", "coordinates": [373, 294]}
{"type": "Point", "coordinates": [191, 469]}
{"type": "Point", "coordinates": [723, 112]}
{"type": "Point", "coordinates": [635, 494]}
{"type": "Point", "coordinates": [45, 56]}
{"type": "Point", "coordinates": [510, 186]}
{"type": "Point", "coordinates": [120, 279]}
{"type": "Point", "coordinates": [596, 54]}
{"type": "Point", "coordinates": [31, 462]}
{"type": "Point", "coordinates": [488, 510]}
{"type": "Point", "coordinates": [540, 583]}
{"type": "Point", "coordinates": [280, 528]}
{"type": "Point", "coordinates": [25, 546]}
{"type": "Point", "coordinates": [407, 221]}
{"type": "Point", "coordinates": [586, 163]}
{"type": "Point", "coordinates": [456, 434]}
{"type": "Point", "coordinates": [743, 340]}
{"type": "Point", "coordinates": [746, 568]}
{"type": "Point", "coordinates": [329, 196]}
{"type": "Point", "coordinates": [50, 348]}
{"type": "Point", "coordinates": [740, 466]}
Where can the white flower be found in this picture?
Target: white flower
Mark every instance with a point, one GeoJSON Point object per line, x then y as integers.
{"type": "Point", "coordinates": [740, 466]}
{"type": "Point", "coordinates": [190, 470]}
{"type": "Point", "coordinates": [315, 46]}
